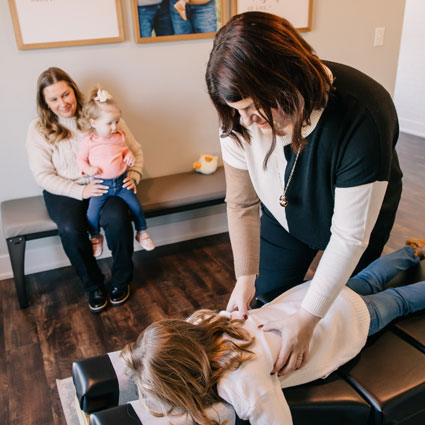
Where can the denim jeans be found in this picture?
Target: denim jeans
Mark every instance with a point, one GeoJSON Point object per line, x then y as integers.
{"type": "Point", "coordinates": [201, 18]}
{"type": "Point", "coordinates": [155, 18]}
{"type": "Point", "coordinates": [69, 214]}
{"type": "Point", "coordinates": [115, 189]}
{"type": "Point", "coordinates": [386, 305]}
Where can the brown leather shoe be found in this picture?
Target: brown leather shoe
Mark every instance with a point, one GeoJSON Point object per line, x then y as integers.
{"type": "Point", "coordinates": [418, 245]}
{"type": "Point", "coordinates": [97, 244]}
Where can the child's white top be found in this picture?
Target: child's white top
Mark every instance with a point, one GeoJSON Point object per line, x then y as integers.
{"type": "Point", "coordinates": [255, 394]}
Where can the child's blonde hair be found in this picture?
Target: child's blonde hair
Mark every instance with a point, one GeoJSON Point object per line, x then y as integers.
{"type": "Point", "coordinates": [177, 364]}
{"type": "Point", "coordinates": [98, 98]}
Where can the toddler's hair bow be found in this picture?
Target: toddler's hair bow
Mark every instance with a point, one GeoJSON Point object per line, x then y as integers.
{"type": "Point", "coordinates": [103, 95]}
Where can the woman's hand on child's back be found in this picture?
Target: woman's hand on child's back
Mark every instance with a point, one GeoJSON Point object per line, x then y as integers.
{"type": "Point", "coordinates": [296, 332]}
{"type": "Point", "coordinates": [95, 188]}
{"type": "Point", "coordinates": [242, 295]}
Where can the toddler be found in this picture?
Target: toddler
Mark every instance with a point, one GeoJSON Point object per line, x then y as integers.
{"type": "Point", "coordinates": [104, 154]}
{"type": "Point", "coordinates": [183, 367]}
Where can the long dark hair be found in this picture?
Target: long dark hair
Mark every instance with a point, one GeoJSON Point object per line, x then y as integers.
{"type": "Point", "coordinates": [48, 123]}
{"type": "Point", "coordinates": [262, 56]}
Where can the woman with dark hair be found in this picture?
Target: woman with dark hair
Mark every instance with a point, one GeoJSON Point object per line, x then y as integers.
{"type": "Point", "coordinates": [311, 143]}
{"type": "Point", "coordinates": [53, 140]}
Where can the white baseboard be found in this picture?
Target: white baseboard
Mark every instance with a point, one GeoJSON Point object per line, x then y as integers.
{"type": "Point", "coordinates": [416, 128]}
{"type": "Point", "coordinates": [47, 254]}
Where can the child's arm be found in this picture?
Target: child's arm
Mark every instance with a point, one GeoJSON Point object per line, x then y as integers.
{"type": "Point", "coordinates": [83, 159]}
{"type": "Point", "coordinates": [89, 170]}
{"type": "Point", "coordinates": [271, 409]}
{"type": "Point", "coordinates": [130, 159]}
{"type": "Point", "coordinates": [134, 171]}
{"type": "Point", "coordinates": [256, 396]}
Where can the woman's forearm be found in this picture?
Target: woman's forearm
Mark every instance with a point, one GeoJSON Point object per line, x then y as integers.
{"type": "Point", "coordinates": [355, 214]}
{"type": "Point", "coordinates": [135, 171]}
{"type": "Point", "coordinates": [243, 215]}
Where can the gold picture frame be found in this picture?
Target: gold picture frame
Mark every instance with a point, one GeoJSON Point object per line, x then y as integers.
{"type": "Point", "coordinates": [40, 24]}
{"type": "Point", "coordinates": [208, 15]}
{"type": "Point", "coordinates": [297, 12]}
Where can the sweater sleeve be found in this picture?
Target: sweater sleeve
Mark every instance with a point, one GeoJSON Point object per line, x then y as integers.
{"type": "Point", "coordinates": [243, 216]}
{"type": "Point", "coordinates": [256, 396]}
{"type": "Point", "coordinates": [271, 409]}
{"type": "Point", "coordinates": [40, 162]}
{"type": "Point", "coordinates": [83, 154]}
{"type": "Point", "coordinates": [355, 213]}
{"type": "Point", "coordinates": [135, 171]}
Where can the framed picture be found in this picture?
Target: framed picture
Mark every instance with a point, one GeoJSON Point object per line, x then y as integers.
{"type": "Point", "coordinates": [40, 24]}
{"type": "Point", "coordinates": [169, 20]}
{"type": "Point", "coordinates": [297, 12]}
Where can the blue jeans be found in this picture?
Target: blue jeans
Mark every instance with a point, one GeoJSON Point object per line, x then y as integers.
{"type": "Point", "coordinates": [155, 18]}
{"type": "Point", "coordinates": [115, 189]}
{"type": "Point", "coordinates": [386, 305]}
{"type": "Point", "coordinates": [201, 18]}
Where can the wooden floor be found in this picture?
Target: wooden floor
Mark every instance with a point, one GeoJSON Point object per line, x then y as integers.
{"type": "Point", "coordinates": [39, 344]}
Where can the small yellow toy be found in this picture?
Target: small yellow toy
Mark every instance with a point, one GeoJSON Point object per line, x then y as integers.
{"type": "Point", "coordinates": [206, 164]}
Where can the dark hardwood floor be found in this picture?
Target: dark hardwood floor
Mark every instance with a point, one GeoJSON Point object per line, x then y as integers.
{"type": "Point", "coordinates": [39, 344]}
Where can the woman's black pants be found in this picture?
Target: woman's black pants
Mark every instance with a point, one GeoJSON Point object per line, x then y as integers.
{"type": "Point", "coordinates": [69, 214]}
{"type": "Point", "coordinates": [284, 260]}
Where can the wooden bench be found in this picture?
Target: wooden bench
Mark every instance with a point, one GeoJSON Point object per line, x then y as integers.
{"type": "Point", "coordinates": [26, 219]}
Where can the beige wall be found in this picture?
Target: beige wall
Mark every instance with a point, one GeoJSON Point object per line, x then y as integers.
{"type": "Point", "coordinates": [344, 30]}
{"type": "Point", "coordinates": [409, 94]}
{"type": "Point", "coordinates": [162, 93]}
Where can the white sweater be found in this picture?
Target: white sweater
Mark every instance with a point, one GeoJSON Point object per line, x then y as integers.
{"type": "Point", "coordinates": [54, 166]}
{"type": "Point", "coordinates": [355, 211]}
{"type": "Point", "coordinates": [255, 394]}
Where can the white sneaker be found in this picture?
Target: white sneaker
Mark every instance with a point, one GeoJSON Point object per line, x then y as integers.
{"type": "Point", "coordinates": [145, 240]}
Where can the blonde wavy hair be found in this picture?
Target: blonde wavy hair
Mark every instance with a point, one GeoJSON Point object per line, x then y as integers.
{"type": "Point", "coordinates": [48, 124]}
{"type": "Point", "coordinates": [93, 108]}
{"type": "Point", "coordinates": [177, 364]}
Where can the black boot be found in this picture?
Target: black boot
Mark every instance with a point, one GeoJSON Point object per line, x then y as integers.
{"type": "Point", "coordinates": [97, 300]}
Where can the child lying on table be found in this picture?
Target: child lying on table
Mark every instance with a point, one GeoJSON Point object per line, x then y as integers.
{"type": "Point", "coordinates": [184, 367]}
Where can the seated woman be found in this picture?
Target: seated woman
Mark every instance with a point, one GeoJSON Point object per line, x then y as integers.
{"type": "Point", "coordinates": [52, 144]}
{"type": "Point", "coordinates": [183, 367]}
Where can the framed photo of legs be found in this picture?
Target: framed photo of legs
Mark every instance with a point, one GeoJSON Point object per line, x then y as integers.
{"type": "Point", "coordinates": [297, 12]}
{"type": "Point", "coordinates": [169, 20]}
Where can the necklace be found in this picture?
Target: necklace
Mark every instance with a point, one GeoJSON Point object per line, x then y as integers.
{"type": "Point", "coordinates": [283, 200]}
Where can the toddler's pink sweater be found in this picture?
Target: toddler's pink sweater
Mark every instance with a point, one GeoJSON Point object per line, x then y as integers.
{"type": "Point", "coordinates": [105, 153]}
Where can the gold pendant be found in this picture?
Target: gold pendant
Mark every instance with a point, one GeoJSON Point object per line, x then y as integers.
{"type": "Point", "coordinates": [283, 201]}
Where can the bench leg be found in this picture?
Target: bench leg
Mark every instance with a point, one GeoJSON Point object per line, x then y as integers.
{"type": "Point", "coordinates": [16, 248]}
